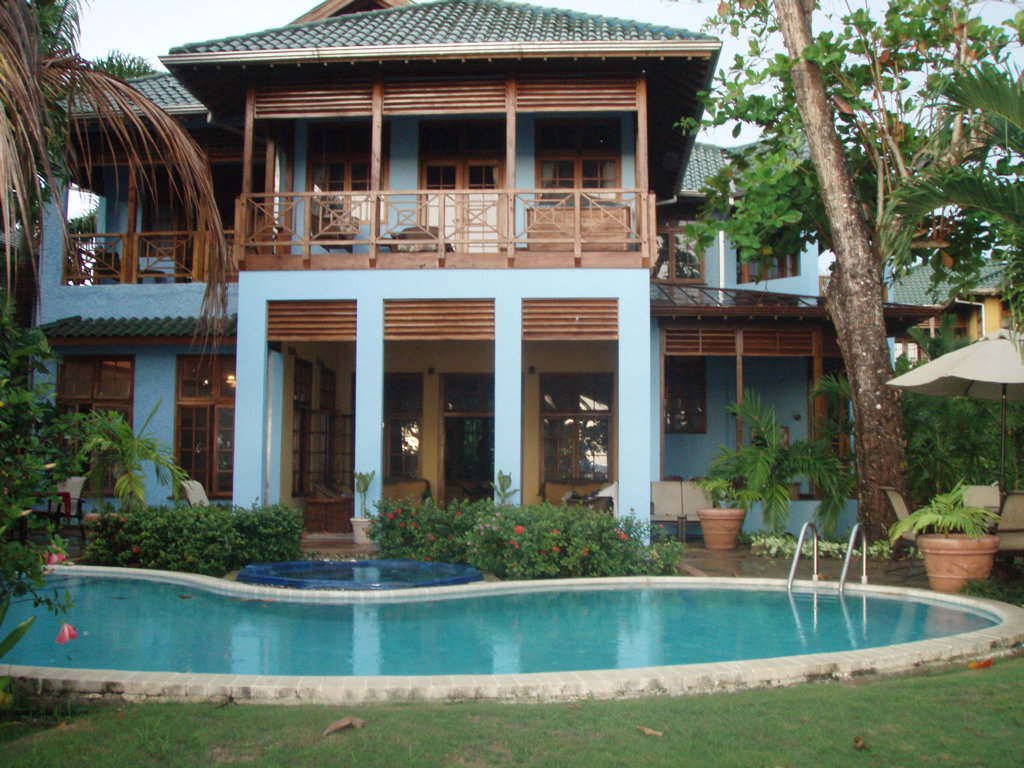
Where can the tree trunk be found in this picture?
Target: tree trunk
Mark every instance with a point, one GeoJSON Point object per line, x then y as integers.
{"type": "Point", "coordinates": [855, 289]}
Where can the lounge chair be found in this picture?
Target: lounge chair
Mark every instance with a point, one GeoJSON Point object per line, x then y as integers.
{"type": "Point", "coordinates": [1010, 527]}
{"type": "Point", "coordinates": [195, 494]}
{"type": "Point", "coordinates": [899, 506]}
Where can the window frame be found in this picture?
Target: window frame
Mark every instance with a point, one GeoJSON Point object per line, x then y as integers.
{"type": "Point", "coordinates": [95, 401]}
{"type": "Point", "coordinates": [391, 416]}
{"type": "Point", "coordinates": [221, 400]}
{"type": "Point", "coordinates": [578, 153]}
{"type": "Point", "coordinates": [670, 233]}
{"type": "Point", "coordinates": [577, 416]}
{"type": "Point", "coordinates": [672, 378]}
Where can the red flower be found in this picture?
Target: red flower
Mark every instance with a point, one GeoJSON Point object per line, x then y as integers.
{"type": "Point", "coordinates": [67, 632]}
{"type": "Point", "coordinates": [390, 516]}
{"type": "Point", "coordinates": [458, 513]}
{"type": "Point", "coordinates": [53, 558]}
{"type": "Point", "coordinates": [557, 550]}
{"type": "Point", "coordinates": [401, 524]}
{"type": "Point", "coordinates": [136, 550]}
{"type": "Point", "coordinates": [554, 531]}
{"type": "Point", "coordinates": [415, 524]}
{"type": "Point", "coordinates": [398, 511]}
{"type": "Point", "coordinates": [623, 536]}
{"type": "Point", "coordinates": [413, 513]}
{"type": "Point", "coordinates": [518, 529]}
{"type": "Point", "coordinates": [431, 537]}
{"type": "Point", "coordinates": [585, 552]}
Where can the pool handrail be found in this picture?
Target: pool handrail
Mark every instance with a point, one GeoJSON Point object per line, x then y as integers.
{"type": "Point", "coordinates": [796, 555]}
{"type": "Point", "coordinates": [849, 554]}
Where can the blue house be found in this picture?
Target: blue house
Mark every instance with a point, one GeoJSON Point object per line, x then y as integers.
{"type": "Point", "coordinates": [458, 233]}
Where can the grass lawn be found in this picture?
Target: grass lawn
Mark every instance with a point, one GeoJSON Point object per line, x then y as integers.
{"type": "Point", "coordinates": [952, 718]}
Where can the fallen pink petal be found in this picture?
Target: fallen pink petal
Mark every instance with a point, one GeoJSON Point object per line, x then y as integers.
{"type": "Point", "coordinates": [67, 632]}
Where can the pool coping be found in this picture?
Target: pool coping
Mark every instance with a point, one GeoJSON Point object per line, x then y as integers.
{"type": "Point", "coordinates": [1000, 640]}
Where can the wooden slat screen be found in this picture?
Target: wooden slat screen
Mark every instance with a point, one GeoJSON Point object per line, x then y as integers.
{"type": "Point", "coordinates": [311, 321]}
{"type": "Point", "coordinates": [438, 319]}
{"type": "Point", "coordinates": [295, 101]}
{"type": "Point", "coordinates": [428, 96]}
{"type": "Point", "coordinates": [591, 319]}
{"type": "Point", "coordinates": [782, 342]}
{"type": "Point", "coordinates": [567, 94]}
{"type": "Point", "coordinates": [700, 341]}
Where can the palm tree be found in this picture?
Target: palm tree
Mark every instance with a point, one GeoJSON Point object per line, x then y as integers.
{"type": "Point", "coordinates": [984, 184]}
{"type": "Point", "coordinates": [49, 96]}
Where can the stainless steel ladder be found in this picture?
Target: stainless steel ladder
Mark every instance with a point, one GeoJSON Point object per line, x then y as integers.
{"type": "Point", "coordinates": [799, 549]}
{"type": "Point", "coordinates": [849, 555]}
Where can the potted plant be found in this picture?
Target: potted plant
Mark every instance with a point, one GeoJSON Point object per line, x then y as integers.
{"type": "Point", "coordinates": [362, 523]}
{"type": "Point", "coordinates": [766, 469]}
{"type": "Point", "coordinates": [953, 539]}
{"type": "Point", "coordinates": [722, 522]}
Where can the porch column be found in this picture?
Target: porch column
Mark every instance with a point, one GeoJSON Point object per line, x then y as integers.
{"type": "Point", "coordinates": [634, 388]}
{"type": "Point", "coordinates": [369, 429]}
{"type": "Point", "coordinates": [508, 389]}
{"type": "Point", "coordinates": [252, 398]}
{"type": "Point", "coordinates": [274, 426]}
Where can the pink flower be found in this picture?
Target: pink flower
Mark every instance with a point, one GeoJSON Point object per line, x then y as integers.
{"type": "Point", "coordinates": [518, 529]}
{"type": "Point", "coordinates": [67, 632]}
{"type": "Point", "coordinates": [53, 558]}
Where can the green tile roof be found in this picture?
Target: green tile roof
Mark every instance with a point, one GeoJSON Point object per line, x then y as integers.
{"type": "Point", "coordinates": [705, 161]}
{"type": "Point", "coordinates": [448, 22]}
{"type": "Point", "coordinates": [916, 286]}
{"type": "Point", "coordinates": [109, 327]}
{"type": "Point", "coordinates": [167, 92]}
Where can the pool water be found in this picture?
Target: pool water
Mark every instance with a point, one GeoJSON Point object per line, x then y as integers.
{"type": "Point", "coordinates": [359, 575]}
{"type": "Point", "coordinates": [154, 626]}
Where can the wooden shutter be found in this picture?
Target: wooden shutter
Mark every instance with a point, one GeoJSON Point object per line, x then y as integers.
{"type": "Point", "coordinates": [438, 319]}
{"type": "Point", "coordinates": [796, 342]}
{"type": "Point", "coordinates": [576, 94]}
{"type": "Point", "coordinates": [700, 341]}
{"type": "Point", "coordinates": [593, 319]}
{"type": "Point", "coordinates": [294, 101]}
{"type": "Point", "coordinates": [423, 96]}
{"type": "Point", "coordinates": [311, 321]}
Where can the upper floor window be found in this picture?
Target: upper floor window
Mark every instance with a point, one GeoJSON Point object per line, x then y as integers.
{"type": "Point", "coordinates": [87, 383]}
{"type": "Point", "coordinates": [756, 271]}
{"type": "Point", "coordinates": [339, 157]}
{"type": "Point", "coordinates": [579, 154]}
{"type": "Point", "coordinates": [678, 259]}
{"type": "Point", "coordinates": [466, 154]}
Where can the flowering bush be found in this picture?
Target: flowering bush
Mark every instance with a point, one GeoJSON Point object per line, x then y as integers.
{"type": "Point", "coordinates": [404, 531]}
{"type": "Point", "coordinates": [515, 542]}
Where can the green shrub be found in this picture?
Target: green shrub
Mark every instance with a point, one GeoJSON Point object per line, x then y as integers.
{"type": "Point", "coordinates": [209, 540]}
{"type": "Point", "coordinates": [515, 542]}
{"type": "Point", "coordinates": [270, 534]}
{"type": "Point", "coordinates": [548, 542]}
{"type": "Point", "coordinates": [404, 531]}
{"type": "Point", "coordinates": [784, 546]}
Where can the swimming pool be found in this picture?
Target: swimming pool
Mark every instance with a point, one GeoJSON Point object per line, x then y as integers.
{"type": "Point", "coordinates": [607, 637]}
{"type": "Point", "coordinates": [358, 574]}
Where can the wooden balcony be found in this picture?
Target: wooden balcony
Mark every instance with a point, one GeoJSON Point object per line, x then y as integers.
{"type": "Point", "coordinates": [469, 229]}
{"type": "Point", "coordinates": [112, 258]}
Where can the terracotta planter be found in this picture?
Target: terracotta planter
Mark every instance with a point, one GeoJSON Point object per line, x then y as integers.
{"type": "Point", "coordinates": [720, 527]}
{"type": "Point", "coordinates": [359, 532]}
{"type": "Point", "coordinates": [954, 559]}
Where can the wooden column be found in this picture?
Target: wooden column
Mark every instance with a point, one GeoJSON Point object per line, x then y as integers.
{"type": "Point", "coordinates": [376, 161]}
{"type": "Point", "coordinates": [129, 251]}
{"type": "Point", "coordinates": [511, 87]}
{"type": "Point", "coordinates": [247, 142]}
{"type": "Point", "coordinates": [270, 166]}
{"type": "Point", "coordinates": [739, 386]}
{"type": "Point", "coordinates": [642, 160]}
{"type": "Point", "coordinates": [819, 408]}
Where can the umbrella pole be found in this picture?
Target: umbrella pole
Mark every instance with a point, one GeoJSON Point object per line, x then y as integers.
{"type": "Point", "coordinates": [1002, 452]}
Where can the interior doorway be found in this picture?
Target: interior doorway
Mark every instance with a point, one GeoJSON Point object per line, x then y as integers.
{"type": "Point", "coordinates": [468, 436]}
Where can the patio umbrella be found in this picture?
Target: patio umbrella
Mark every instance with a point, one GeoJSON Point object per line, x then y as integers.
{"type": "Point", "coordinates": [989, 369]}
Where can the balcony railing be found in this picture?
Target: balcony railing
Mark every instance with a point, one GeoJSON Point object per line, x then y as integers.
{"type": "Point", "coordinates": [111, 258]}
{"type": "Point", "coordinates": [450, 228]}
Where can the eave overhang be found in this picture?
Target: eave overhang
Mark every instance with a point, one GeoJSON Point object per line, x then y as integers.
{"type": "Point", "coordinates": [486, 51]}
